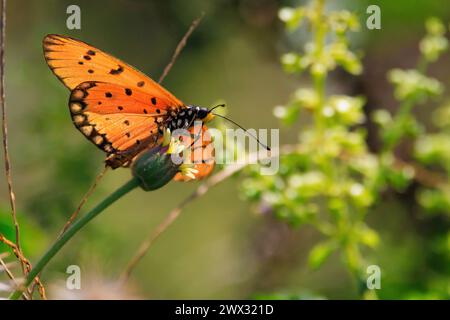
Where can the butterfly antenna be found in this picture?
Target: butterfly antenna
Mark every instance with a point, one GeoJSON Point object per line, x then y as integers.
{"type": "Point", "coordinates": [222, 105]}
{"type": "Point", "coordinates": [237, 124]}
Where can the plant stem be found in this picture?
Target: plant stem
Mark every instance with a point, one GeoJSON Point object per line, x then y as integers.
{"type": "Point", "coordinates": [334, 169]}
{"type": "Point", "coordinates": [59, 243]}
{"type": "Point", "coordinates": [319, 78]}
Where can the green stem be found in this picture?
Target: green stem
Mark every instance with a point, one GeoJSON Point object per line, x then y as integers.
{"type": "Point", "coordinates": [406, 107]}
{"type": "Point", "coordinates": [335, 170]}
{"type": "Point", "coordinates": [319, 78]}
{"type": "Point", "coordinates": [422, 65]}
{"type": "Point", "coordinates": [59, 243]}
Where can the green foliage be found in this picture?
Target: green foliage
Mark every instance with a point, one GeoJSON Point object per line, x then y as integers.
{"type": "Point", "coordinates": [433, 150]}
{"type": "Point", "coordinates": [434, 43]}
{"type": "Point", "coordinates": [331, 181]}
{"type": "Point", "coordinates": [34, 239]}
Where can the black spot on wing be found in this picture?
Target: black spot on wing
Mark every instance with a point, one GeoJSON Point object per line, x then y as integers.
{"type": "Point", "coordinates": [119, 70]}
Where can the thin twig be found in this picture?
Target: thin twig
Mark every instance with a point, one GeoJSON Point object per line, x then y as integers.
{"type": "Point", "coordinates": [421, 174]}
{"type": "Point", "coordinates": [12, 197]}
{"type": "Point", "coordinates": [24, 262]}
{"type": "Point", "coordinates": [84, 200]}
{"type": "Point", "coordinates": [174, 214]}
{"type": "Point", "coordinates": [180, 47]}
{"type": "Point", "coordinates": [200, 191]}
{"type": "Point", "coordinates": [166, 71]}
{"type": "Point", "coordinates": [7, 271]}
{"type": "Point", "coordinates": [11, 276]}
{"type": "Point", "coordinates": [73, 230]}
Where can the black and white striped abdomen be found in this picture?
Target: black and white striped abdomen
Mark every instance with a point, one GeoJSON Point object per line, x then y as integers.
{"type": "Point", "coordinates": [186, 118]}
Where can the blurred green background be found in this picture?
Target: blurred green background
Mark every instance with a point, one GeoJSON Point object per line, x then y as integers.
{"type": "Point", "coordinates": [218, 248]}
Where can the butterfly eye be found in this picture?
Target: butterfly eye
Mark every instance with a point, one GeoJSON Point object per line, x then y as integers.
{"type": "Point", "coordinates": [202, 113]}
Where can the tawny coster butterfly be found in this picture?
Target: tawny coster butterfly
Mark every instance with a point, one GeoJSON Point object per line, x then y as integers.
{"type": "Point", "coordinates": [118, 108]}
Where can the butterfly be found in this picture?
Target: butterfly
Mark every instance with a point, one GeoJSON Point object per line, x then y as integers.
{"type": "Point", "coordinates": [121, 110]}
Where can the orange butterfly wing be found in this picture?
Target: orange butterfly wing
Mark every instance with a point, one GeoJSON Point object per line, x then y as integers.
{"type": "Point", "coordinates": [201, 153]}
{"type": "Point", "coordinates": [120, 121]}
{"type": "Point", "coordinates": [74, 62]}
{"type": "Point", "coordinates": [115, 106]}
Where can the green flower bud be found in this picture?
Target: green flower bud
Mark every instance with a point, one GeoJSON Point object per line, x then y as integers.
{"type": "Point", "coordinates": [433, 46]}
{"type": "Point", "coordinates": [382, 117]}
{"type": "Point", "coordinates": [307, 98]}
{"type": "Point", "coordinates": [157, 166]}
{"type": "Point", "coordinates": [360, 195]}
{"type": "Point", "coordinates": [411, 83]}
{"type": "Point", "coordinates": [441, 116]}
{"type": "Point", "coordinates": [154, 168]}
{"type": "Point", "coordinates": [287, 114]}
{"type": "Point", "coordinates": [435, 26]}
{"type": "Point", "coordinates": [345, 109]}
{"type": "Point", "coordinates": [292, 17]}
{"type": "Point", "coordinates": [292, 62]}
{"type": "Point", "coordinates": [343, 21]}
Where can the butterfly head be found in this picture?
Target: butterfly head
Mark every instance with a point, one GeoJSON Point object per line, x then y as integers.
{"type": "Point", "coordinates": [202, 113]}
{"type": "Point", "coordinates": [205, 114]}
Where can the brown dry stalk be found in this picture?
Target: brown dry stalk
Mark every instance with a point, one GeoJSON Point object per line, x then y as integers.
{"type": "Point", "coordinates": [12, 197]}
{"type": "Point", "coordinates": [422, 175]}
{"type": "Point", "coordinates": [5, 267]}
{"type": "Point", "coordinates": [180, 47]}
{"type": "Point", "coordinates": [84, 200]}
{"type": "Point", "coordinates": [200, 191]}
{"type": "Point", "coordinates": [26, 266]}
{"type": "Point", "coordinates": [25, 262]}
{"type": "Point", "coordinates": [10, 275]}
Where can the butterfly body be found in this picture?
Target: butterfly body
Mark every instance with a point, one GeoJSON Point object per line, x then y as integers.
{"type": "Point", "coordinates": [186, 117]}
{"type": "Point", "coordinates": [119, 109]}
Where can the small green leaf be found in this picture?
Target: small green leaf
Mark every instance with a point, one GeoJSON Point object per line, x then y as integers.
{"type": "Point", "coordinates": [367, 236]}
{"type": "Point", "coordinates": [291, 17]}
{"type": "Point", "coordinates": [320, 253]}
